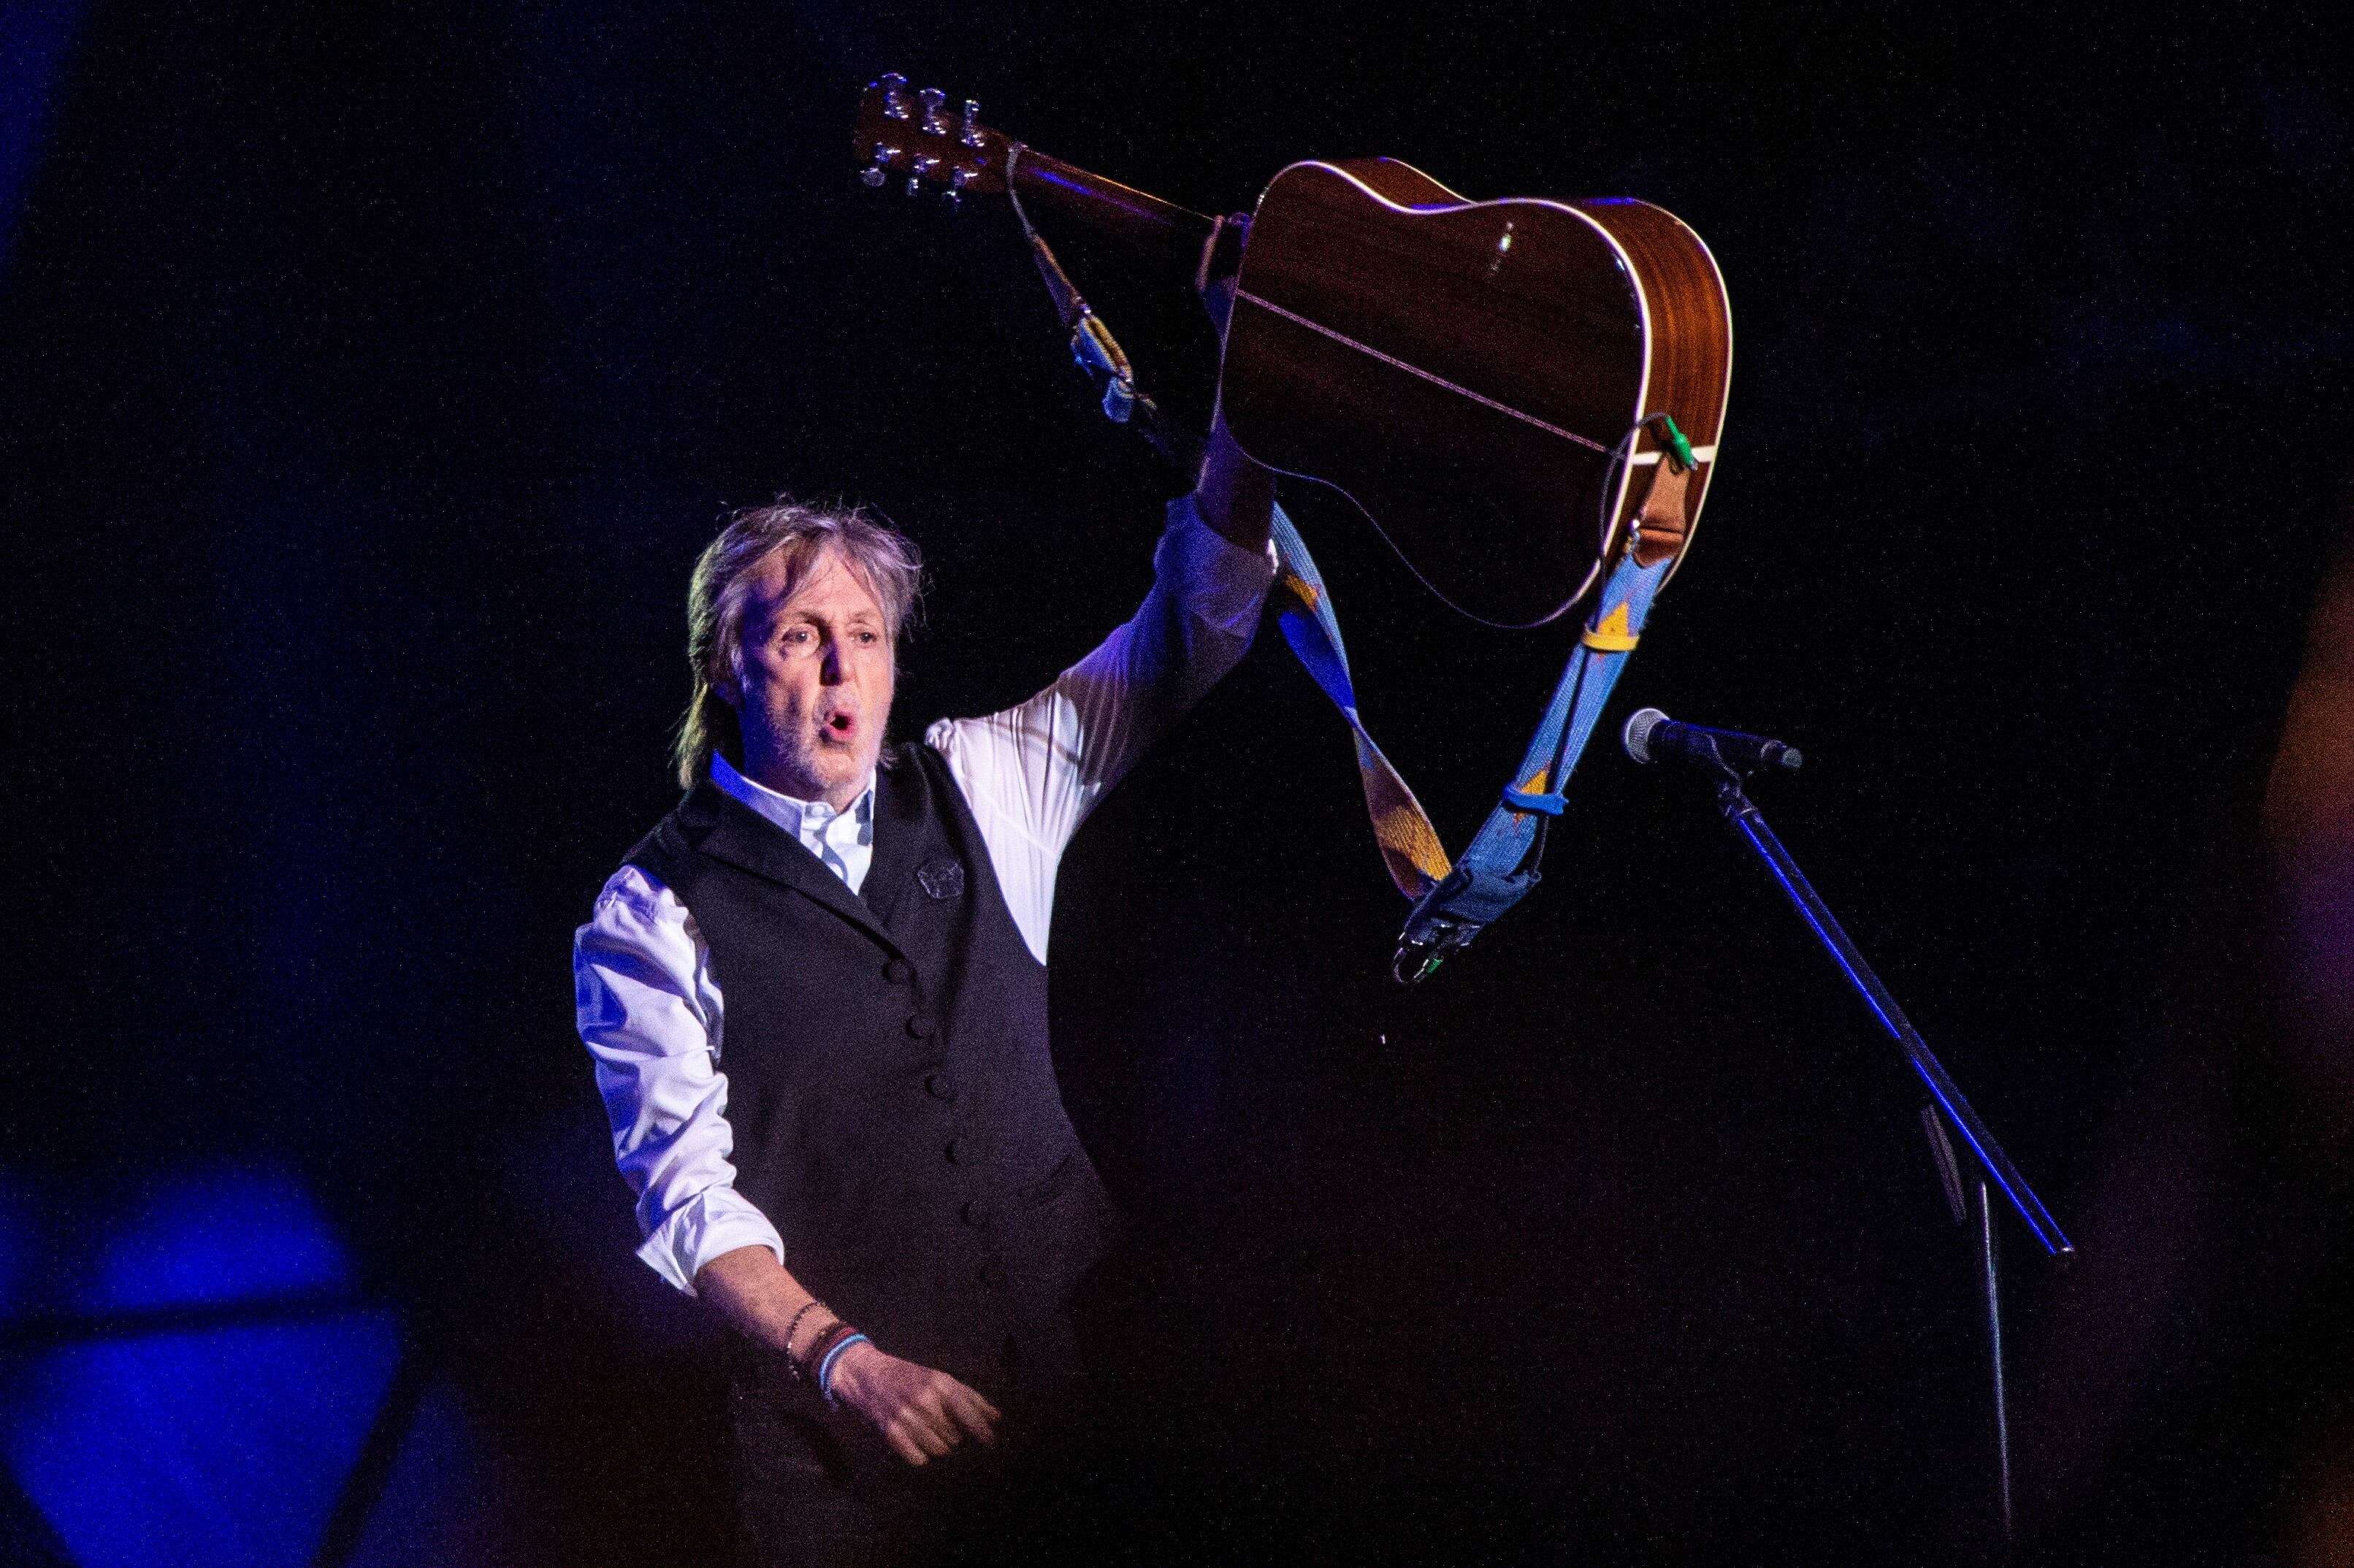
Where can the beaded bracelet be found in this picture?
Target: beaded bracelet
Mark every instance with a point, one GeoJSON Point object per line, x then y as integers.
{"type": "Point", "coordinates": [791, 1328]}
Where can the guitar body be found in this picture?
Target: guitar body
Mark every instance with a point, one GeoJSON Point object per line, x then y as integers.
{"type": "Point", "coordinates": [1474, 375]}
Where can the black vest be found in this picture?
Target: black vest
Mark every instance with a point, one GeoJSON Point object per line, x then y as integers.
{"type": "Point", "coordinates": [889, 1079]}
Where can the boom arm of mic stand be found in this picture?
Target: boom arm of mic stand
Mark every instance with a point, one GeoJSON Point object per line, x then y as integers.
{"type": "Point", "coordinates": [1743, 813]}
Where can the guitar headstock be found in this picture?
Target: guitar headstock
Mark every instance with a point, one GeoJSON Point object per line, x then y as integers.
{"type": "Point", "coordinates": [915, 136]}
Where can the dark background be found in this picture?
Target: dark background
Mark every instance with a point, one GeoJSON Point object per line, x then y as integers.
{"type": "Point", "coordinates": [369, 377]}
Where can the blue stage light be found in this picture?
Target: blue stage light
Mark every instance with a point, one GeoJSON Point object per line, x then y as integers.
{"type": "Point", "coordinates": [224, 1389]}
{"type": "Point", "coordinates": [225, 1447]}
{"type": "Point", "coordinates": [215, 1237]}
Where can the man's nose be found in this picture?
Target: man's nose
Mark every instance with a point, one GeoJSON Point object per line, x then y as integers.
{"type": "Point", "coordinates": [830, 662]}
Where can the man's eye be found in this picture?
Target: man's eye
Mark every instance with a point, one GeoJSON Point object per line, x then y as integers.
{"type": "Point", "coordinates": [796, 635]}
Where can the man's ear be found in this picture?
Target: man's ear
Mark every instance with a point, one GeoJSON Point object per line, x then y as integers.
{"type": "Point", "coordinates": [729, 685]}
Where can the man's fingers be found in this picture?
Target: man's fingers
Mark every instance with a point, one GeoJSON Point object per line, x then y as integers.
{"type": "Point", "coordinates": [923, 1433]}
{"type": "Point", "coordinates": [977, 1415]}
{"type": "Point", "coordinates": [935, 1421]}
{"type": "Point", "coordinates": [926, 1415]}
{"type": "Point", "coordinates": [962, 1397]}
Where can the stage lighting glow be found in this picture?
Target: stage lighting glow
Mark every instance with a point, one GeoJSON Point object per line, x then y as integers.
{"type": "Point", "coordinates": [164, 1437]}
{"type": "Point", "coordinates": [238, 1234]}
{"type": "Point", "coordinates": [227, 1447]}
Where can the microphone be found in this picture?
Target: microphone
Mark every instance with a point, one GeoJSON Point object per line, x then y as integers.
{"type": "Point", "coordinates": [1652, 736]}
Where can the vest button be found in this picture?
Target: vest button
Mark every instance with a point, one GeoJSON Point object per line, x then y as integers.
{"type": "Point", "coordinates": [921, 1026]}
{"type": "Point", "coordinates": [974, 1212]}
{"type": "Point", "coordinates": [992, 1274]}
{"type": "Point", "coordinates": [939, 1085]}
{"type": "Point", "coordinates": [898, 972]}
{"type": "Point", "coordinates": [958, 1151]}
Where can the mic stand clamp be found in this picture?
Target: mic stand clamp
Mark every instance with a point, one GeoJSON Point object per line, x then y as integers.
{"type": "Point", "coordinates": [1946, 1104]}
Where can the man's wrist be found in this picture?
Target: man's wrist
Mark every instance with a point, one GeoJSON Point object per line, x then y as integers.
{"type": "Point", "coordinates": [1236, 496]}
{"type": "Point", "coordinates": [823, 1344]}
{"type": "Point", "coordinates": [854, 1365]}
{"type": "Point", "coordinates": [842, 1355]}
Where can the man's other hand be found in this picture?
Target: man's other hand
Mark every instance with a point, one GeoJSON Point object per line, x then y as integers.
{"type": "Point", "coordinates": [922, 1414]}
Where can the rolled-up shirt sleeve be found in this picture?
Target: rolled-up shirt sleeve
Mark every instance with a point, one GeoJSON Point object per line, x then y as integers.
{"type": "Point", "coordinates": [1032, 772]}
{"type": "Point", "coordinates": [650, 1013]}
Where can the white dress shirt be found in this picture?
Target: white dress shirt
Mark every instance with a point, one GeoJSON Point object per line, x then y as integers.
{"type": "Point", "coordinates": [843, 840]}
{"type": "Point", "coordinates": [650, 1010]}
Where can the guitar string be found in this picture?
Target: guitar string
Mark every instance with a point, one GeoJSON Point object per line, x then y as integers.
{"type": "Point", "coordinates": [1435, 380]}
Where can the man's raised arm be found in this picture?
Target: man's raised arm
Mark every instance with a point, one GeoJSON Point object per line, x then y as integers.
{"type": "Point", "coordinates": [1236, 496]}
{"type": "Point", "coordinates": [1032, 773]}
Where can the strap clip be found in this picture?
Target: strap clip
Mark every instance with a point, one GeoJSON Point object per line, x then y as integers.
{"type": "Point", "coordinates": [1551, 805]}
{"type": "Point", "coordinates": [1444, 919]}
{"type": "Point", "coordinates": [1416, 962]}
{"type": "Point", "coordinates": [1098, 354]}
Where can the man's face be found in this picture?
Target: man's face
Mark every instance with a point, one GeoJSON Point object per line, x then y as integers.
{"type": "Point", "coordinates": [812, 683]}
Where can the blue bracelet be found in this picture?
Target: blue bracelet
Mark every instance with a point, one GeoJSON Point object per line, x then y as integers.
{"type": "Point", "coordinates": [825, 1367]}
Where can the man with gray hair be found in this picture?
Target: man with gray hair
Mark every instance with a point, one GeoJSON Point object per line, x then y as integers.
{"type": "Point", "coordinates": [816, 998]}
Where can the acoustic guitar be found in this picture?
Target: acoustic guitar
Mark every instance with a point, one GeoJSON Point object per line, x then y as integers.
{"type": "Point", "coordinates": [1483, 378]}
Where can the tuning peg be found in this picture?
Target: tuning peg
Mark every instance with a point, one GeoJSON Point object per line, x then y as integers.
{"type": "Point", "coordinates": [970, 135]}
{"type": "Point", "coordinates": [895, 96]}
{"type": "Point", "coordinates": [875, 173]}
{"type": "Point", "coordinates": [935, 123]}
{"type": "Point", "coordinates": [958, 178]}
{"type": "Point", "coordinates": [923, 169]}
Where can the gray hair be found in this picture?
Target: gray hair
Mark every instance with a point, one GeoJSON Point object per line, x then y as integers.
{"type": "Point", "coordinates": [884, 561]}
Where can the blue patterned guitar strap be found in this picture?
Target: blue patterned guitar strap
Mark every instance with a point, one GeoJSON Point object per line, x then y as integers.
{"type": "Point", "coordinates": [1453, 902]}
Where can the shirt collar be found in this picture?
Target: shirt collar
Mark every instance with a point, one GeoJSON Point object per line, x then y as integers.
{"type": "Point", "coordinates": [787, 812]}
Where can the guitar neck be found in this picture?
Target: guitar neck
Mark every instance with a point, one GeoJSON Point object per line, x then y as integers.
{"type": "Point", "coordinates": [1119, 211]}
{"type": "Point", "coordinates": [915, 134]}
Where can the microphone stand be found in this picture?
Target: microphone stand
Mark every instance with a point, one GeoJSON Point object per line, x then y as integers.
{"type": "Point", "coordinates": [1947, 1106]}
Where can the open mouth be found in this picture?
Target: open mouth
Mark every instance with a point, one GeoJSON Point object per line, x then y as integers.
{"type": "Point", "coordinates": [840, 725]}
